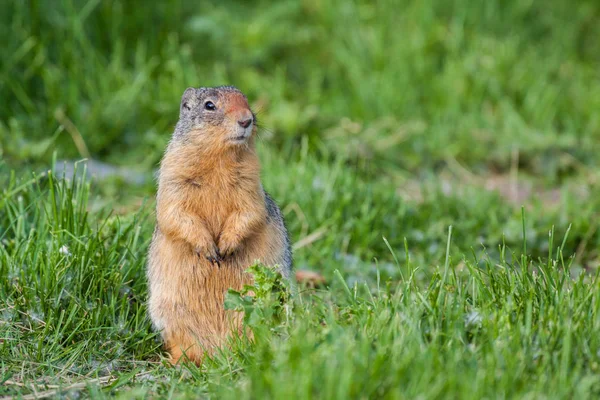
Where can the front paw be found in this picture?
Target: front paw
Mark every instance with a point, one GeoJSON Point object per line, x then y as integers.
{"type": "Point", "coordinates": [211, 253]}
{"type": "Point", "coordinates": [228, 244]}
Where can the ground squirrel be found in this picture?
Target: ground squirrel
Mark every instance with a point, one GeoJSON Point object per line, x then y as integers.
{"type": "Point", "coordinates": [214, 220]}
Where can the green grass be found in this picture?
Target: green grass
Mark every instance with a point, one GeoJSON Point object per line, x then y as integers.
{"type": "Point", "coordinates": [385, 124]}
{"type": "Point", "coordinates": [73, 294]}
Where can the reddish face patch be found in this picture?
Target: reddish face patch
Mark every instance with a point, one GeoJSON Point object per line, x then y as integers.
{"type": "Point", "coordinates": [235, 103]}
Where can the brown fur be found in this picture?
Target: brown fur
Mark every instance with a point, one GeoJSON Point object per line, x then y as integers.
{"type": "Point", "coordinates": [210, 202]}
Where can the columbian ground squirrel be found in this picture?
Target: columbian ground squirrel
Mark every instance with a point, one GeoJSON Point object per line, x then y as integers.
{"type": "Point", "coordinates": [214, 220]}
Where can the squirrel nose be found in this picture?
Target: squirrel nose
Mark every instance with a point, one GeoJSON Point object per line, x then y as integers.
{"type": "Point", "coordinates": [244, 123]}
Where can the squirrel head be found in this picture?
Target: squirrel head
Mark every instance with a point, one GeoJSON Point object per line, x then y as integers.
{"type": "Point", "coordinates": [217, 117]}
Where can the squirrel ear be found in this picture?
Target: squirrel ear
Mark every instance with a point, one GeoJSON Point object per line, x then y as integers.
{"type": "Point", "coordinates": [188, 100]}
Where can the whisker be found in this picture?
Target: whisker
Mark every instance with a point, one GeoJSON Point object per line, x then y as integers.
{"type": "Point", "coordinates": [264, 129]}
{"type": "Point", "coordinates": [260, 109]}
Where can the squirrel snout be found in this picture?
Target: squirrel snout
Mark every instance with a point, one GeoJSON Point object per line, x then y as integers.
{"type": "Point", "coordinates": [244, 122]}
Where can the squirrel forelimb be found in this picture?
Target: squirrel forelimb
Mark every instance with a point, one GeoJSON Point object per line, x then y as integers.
{"type": "Point", "coordinates": [237, 227]}
{"type": "Point", "coordinates": [176, 223]}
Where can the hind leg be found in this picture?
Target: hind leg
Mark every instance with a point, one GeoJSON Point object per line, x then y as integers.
{"type": "Point", "coordinates": [184, 347]}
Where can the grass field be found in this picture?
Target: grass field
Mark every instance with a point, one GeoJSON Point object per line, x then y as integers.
{"type": "Point", "coordinates": [436, 161]}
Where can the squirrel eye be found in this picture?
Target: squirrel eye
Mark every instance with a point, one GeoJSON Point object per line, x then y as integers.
{"type": "Point", "coordinates": [209, 105]}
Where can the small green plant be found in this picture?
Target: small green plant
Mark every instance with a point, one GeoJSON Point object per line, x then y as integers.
{"type": "Point", "coordinates": [266, 302]}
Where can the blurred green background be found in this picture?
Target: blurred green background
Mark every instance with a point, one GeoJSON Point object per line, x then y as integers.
{"type": "Point", "coordinates": [431, 79]}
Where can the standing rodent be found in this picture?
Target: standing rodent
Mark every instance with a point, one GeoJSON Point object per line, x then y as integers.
{"type": "Point", "coordinates": [214, 220]}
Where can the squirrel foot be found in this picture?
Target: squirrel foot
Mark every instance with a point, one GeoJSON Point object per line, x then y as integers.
{"type": "Point", "coordinates": [215, 260]}
{"type": "Point", "coordinates": [228, 244]}
{"type": "Point", "coordinates": [212, 254]}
